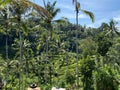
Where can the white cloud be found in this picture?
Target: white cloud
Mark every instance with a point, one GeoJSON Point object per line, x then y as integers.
{"type": "Point", "coordinates": [66, 7]}
{"type": "Point", "coordinates": [82, 16]}
{"type": "Point", "coordinates": [97, 23]}
{"type": "Point", "coordinates": [117, 18]}
{"type": "Point", "coordinates": [72, 15]}
{"type": "Point", "coordinates": [91, 25]}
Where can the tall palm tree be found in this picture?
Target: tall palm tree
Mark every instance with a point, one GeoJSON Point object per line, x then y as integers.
{"type": "Point", "coordinates": [18, 8]}
{"type": "Point", "coordinates": [4, 23]}
{"type": "Point", "coordinates": [53, 11]}
{"type": "Point", "coordinates": [91, 15]}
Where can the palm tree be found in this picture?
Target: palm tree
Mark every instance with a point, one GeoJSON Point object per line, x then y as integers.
{"type": "Point", "coordinates": [5, 18]}
{"type": "Point", "coordinates": [4, 22]}
{"type": "Point", "coordinates": [90, 14]}
{"type": "Point", "coordinates": [18, 8]}
{"type": "Point", "coordinates": [49, 21]}
{"type": "Point", "coordinates": [110, 28]}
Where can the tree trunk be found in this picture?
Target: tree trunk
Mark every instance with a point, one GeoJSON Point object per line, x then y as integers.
{"type": "Point", "coordinates": [77, 77]}
{"type": "Point", "coordinates": [20, 59]}
{"type": "Point", "coordinates": [6, 51]}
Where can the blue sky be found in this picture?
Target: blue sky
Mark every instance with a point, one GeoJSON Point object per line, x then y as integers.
{"type": "Point", "coordinates": [104, 10]}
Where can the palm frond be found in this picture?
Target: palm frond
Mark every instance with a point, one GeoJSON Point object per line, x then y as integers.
{"type": "Point", "coordinates": [117, 32]}
{"type": "Point", "coordinates": [112, 24]}
{"type": "Point", "coordinates": [90, 14]}
{"type": "Point", "coordinates": [39, 9]}
{"type": "Point", "coordinates": [22, 5]}
{"type": "Point", "coordinates": [55, 12]}
{"type": "Point", "coordinates": [105, 26]}
{"type": "Point", "coordinates": [54, 3]}
{"type": "Point", "coordinates": [44, 3]}
{"type": "Point", "coordinates": [4, 2]}
{"type": "Point", "coordinates": [52, 10]}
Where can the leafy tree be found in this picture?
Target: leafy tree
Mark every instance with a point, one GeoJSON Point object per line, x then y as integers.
{"type": "Point", "coordinates": [70, 79]}
{"type": "Point", "coordinates": [87, 47]}
{"type": "Point", "coordinates": [51, 49]}
{"type": "Point", "coordinates": [110, 28]}
{"type": "Point", "coordinates": [87, 66]}
{"type": "Point", "coordinates": [106, 78]}
{"type": "Point", "coordinates": [113, 53]}
{"type": "Point", "coordinates": [104, 43]}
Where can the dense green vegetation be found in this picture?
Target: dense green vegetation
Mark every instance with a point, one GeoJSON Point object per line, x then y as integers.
{"type": "Point", "coordinates": [35, 48]}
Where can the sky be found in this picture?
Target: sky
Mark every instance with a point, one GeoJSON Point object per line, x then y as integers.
{"type": "Point", "coordinates": [103, 10]}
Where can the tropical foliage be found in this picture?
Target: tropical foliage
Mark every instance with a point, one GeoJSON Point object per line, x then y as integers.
{"type": "Point", "coordinates": [36, 48]}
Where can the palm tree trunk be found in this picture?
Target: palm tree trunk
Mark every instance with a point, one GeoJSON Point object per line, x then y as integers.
{"type": "Point", "coordinates": [6, 45]}
{"type": "Point", "coordinates": [47, 42]}
{"type": "Point", "coordinates": [77, 78]}
{"type": "Point", "coordinates": [46, 70]}
{"type": "Point", "coordinates": [20, 59]}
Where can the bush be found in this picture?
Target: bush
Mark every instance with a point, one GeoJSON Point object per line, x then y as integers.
{"type": "Point", "coordinates": [106, 78]}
